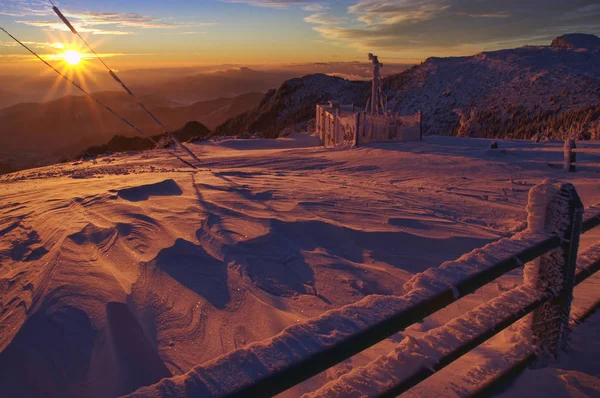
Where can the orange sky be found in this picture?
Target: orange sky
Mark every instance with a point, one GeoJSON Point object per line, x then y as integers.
{"type": "Point", "coordinates": [152, 34]}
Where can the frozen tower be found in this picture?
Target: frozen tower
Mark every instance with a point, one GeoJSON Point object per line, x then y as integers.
{"type": "Point", "coordinates": [375, 94]}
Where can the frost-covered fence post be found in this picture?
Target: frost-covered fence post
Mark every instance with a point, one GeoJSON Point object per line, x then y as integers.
{"type": "Point", "coordinates": [554, 209]}
{"type": "Point", "coordinates": [336, 127]}
{"type": "Point", "coordinates": [318, 123]}
{"type": "Point", "coordinates": [570, 155]}
{"type": "Point", "coordinates": [356, 128]}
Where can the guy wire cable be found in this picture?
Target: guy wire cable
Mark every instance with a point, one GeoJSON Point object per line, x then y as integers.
{"type": "Point", "coordinates": [118, 80]}
{"type": "Point", "coordinates": [127, 122]}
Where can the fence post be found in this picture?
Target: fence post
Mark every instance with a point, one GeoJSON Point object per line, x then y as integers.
{"type": "Point", "coordinates": [421, 124]}
{"type": "Point", "coordinates": [336, 128]}
{"type": "Point", "coordinates": [554, 209]}
{"type": "Point", "coordinates": [356, 128]}
{"type": "Point", "coordinates": [570, 155]}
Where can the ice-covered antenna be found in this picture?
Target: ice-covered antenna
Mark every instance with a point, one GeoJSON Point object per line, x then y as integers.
{"type": "Point", "coordinates": [375, 97]}
{"type": "Point", "coordinates": [74, 83]}
{"type": "Point", "coordinates": [118, 80]}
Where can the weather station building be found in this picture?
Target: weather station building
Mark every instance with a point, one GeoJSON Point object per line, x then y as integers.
{"type": "Point", "coordinates": [347, 125]}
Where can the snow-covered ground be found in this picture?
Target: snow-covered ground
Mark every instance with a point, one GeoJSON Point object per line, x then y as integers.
{"type": "Point", "coordinates": [120, 272]}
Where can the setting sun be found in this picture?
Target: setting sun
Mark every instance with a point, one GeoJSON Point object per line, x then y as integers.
{"type": "Point", "coordinates": [72, 57]}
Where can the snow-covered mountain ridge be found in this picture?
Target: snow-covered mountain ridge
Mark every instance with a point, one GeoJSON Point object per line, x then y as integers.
{"type": "Point", "coordinates": [514, 93]}
{"type": "Point", "coordinates": [508, 93]}
{"type": "Point", "coordinates": [294, 102]}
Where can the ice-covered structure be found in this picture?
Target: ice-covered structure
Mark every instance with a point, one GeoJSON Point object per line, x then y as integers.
{"type": "Point", "coordinates": [339, 124]}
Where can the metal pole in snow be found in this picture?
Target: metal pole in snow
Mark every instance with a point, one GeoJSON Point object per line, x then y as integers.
{"type": "Point", "coordinates": [109, 109]}
{"type": "Point", "coordinates": [118, 80]}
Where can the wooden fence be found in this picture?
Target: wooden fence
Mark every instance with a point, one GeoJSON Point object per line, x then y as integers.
{"type": "Point", "coordinates": [551, 309]}
{"type": "Point", "coordinates": [344, 128]}
{"type": "Point", "coordinates": [548, 250]}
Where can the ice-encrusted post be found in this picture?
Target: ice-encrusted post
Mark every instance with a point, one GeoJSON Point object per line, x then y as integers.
{"type": "Point", "coordinates": [336, 127]}
{"type": "Point", "coordinates": [356, 127]}
{"type": "Point", "coordinates": [318, 123]}
{"type": "Point", "coordinates": [554, 209]}
{"type": "Point", "coordinates": [570, 155]}
{"type": "Point", "coordinates": [421, 125]}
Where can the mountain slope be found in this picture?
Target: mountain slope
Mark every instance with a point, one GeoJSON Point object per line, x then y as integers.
{"type": "Point", "coordinates": [204, 86]}
{"type": "Point", "coordinates": [119, 143]}
{"type": "Point", "coordinates": [64, 127]}
{"type": "Point", "coordinates": [553, 90]}
{"type": "Point", "coordinates": [506, 93]}
{"type": "Point", "coordinates": [294, 102]}
{"type": "Point", "coordinates": [213, 112]}
{"type": "Point", "coordinates": [7, 98]}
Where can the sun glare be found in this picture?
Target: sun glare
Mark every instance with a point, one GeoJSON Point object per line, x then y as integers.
{"type": "Point", "coordinates": [72, 57]}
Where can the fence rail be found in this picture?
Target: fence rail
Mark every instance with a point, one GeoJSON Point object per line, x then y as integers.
{"type": "Point", "coordinates": [566, 240]}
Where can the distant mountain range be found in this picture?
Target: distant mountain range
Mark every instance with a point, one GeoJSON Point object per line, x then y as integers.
{"type": "Point", "coordinates": [184, 85]}
{"type": "Point", "coordinates": [47, 132]}
{"type": "Point", "coordinates": [119, 143]}
{"type": "Point", "coordinates": [553, 90]}
{"type": "Point", "coordinates": [62, 123]}
{"type": "Point", "coordinates": [517, 93]}
{"type": "Point", "coordinates": [203, 86]}
{"type": "Point", "coordinates": [7, 98]}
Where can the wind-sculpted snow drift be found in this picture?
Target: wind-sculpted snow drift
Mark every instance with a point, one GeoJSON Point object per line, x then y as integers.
{"type": "Point", "coordinates": [123, 271]}
{"type": "Point", "coordinates": [241, 367]}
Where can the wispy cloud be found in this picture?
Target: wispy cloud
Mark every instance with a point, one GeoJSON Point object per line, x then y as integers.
{"type": "Point", "coordinates": [24, 8]}
{"type": "Point", "coordinates": [129, 20]}
{"type": "Point", "coordinates": [271, 3]}
{"type": "Point", "coordinates": [316, 7]}
{"type": "Point", "coordinates": [33, 44]}
{"type": "Point", "coordinates": [443, 27]}
{"type": "Point", "coordinates": [374, 12]}
{"type": "Point", "coordinates": [80, 27]}
{"type": "Point", "coordinates": [36, 14]}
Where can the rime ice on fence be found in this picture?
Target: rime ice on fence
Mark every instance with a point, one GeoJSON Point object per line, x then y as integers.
{"type": "Point", "coordinates": [343, 125]}
{"type": "Point", "coordinates": [412, 355]}
{"type": "Point", "coordinates": [338, 125]}
{"type": "Point", "coordinates": [554, 210]}
{"type": "Point", "coordinates": [248, 365]}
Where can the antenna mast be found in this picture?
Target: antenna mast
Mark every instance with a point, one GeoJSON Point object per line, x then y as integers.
{"type": "Point", "coordinates": [375, 95]}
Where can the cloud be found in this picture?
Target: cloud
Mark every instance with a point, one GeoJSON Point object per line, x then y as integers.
{"type": "Point", "coordinates": [271, 3]}
{"type": "Point", "coordinates": [129, 20]}
{"type": "Point", "coordinates": [98, 23]}
{"type": "Point", "coordinates": [374, 12]}
{"type": "Point", "coordinates": [22, 8]}
{"type": "Point", "coordinates": [322, 18]}
{"type": "Point", "coordinates": [317, 7]}
{"type": "Point", "coordinates": [33, 44]}
{"type": "Point", "coordinates": [80, 28]}
{"type": "Point", "coordinates": [457, 27]}
{"type": "Point", "coordinates": [60, 57]}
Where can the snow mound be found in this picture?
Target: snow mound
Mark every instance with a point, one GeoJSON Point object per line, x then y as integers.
{"type": "Point", "coordinates": [303, 140]}
{"type": "Point", "coordinates": [143, 192]}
